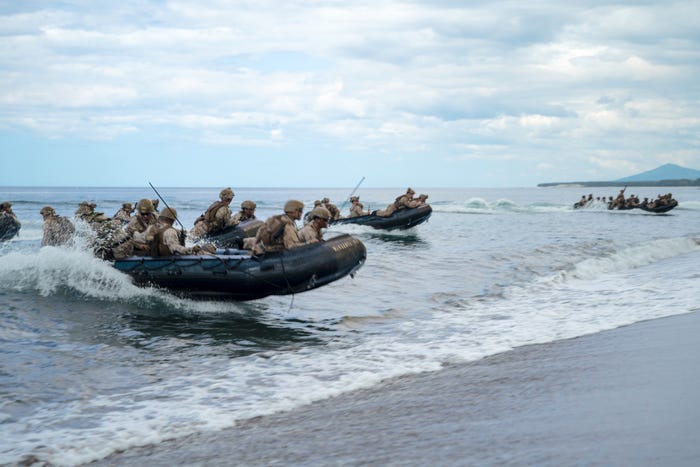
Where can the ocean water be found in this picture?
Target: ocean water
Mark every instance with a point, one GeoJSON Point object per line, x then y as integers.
{"type": "Point", "coordinates": [92, 364]}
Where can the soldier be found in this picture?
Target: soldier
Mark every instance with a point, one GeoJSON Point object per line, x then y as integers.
{"type": "Point", "coordinates": [129, 244]}
{"type": "Point", "coordinates": [123, 215]}
{"type": "Point", "coordinates": [357, 208]}
{"type": "Point", "coordinates": [108, 233]}
{"type": "Point", "coordinates": [57, 230]}
{"type": "Point", "coordinates": [217, 216]}
{"type": "Point", "coordinates": [9, 223]}
{"type": "Point", "coordinates": [6, 209]}
{"type": "Point", "coordinates": [311, 232]}
{"type": "Point", "coordinates": [619, 202]}
{"type": "Point", "coordinates": [280, 232]}
{"type": "Point", "coordinates": [163, 239]}
{"type": "Point", "coordinates": [332, 208]}
{"type": "Point", "coordinates": [401, 202]}
{"type": "Point", "coordinates": [307, 216]}
{"type": "Point", "coordinates": [414, 203]}
{"type": "Point", "coordinates": [246, 213]}
{"type": "Point", "coordinates": [86, 212]}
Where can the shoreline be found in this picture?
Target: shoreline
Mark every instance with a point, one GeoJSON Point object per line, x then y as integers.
{"type": "Point", "coordinates": [627, 396]}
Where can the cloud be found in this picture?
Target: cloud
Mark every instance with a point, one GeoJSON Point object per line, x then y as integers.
{"type": "Point", "coordinates": [387, 77]}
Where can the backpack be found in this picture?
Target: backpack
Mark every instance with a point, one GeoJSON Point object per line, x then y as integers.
{"type": "Point", "coordinates": [270, 233]}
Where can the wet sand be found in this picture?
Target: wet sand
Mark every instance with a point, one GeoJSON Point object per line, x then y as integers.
{"type": "Point", "coordinates": [629, 396]}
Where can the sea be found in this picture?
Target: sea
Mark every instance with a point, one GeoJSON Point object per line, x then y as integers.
{"type": "Point", "coordinates": [92, 365]}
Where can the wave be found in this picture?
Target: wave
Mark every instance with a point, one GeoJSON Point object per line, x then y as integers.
{"type": "Point", "coordinates": [688, 206]}
{"type": "Point", "coordinates": [632, 257]}
{"type": "Point", "coordinates": [76, 273]}
{"type": "Point", "coordinates": [482, 206]}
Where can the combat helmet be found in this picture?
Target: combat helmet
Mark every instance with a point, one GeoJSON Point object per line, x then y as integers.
{"type": "Point", "coordinates": [226, 194]}
{"type": "Point", "coordinates": [47, 211]}
{"type": "Point", "coordinates": [145, 206]}
{"type": "Point", "coordinates": [169, 213]}
{"type": "Point", "coordinates": [321, 213]}
{"type": "Point", "coordinates": [248, 205]}
{"type": "Point", "coordinates": [293, 205]}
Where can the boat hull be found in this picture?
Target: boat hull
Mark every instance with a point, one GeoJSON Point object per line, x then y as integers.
{"type": "Point", "coordinates": [232, 237]}
{"type": "Point", "coordinates": [660, 209]}
{"type": "Point", "coordinates": [655, 210]}
{"type": "Point", "coordinates": [236, 275]}
{"type": "Point", "coordinates": [399, 220]}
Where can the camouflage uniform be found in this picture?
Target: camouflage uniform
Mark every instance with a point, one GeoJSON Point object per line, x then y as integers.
{"type": "Point", "coordinates": [311, 232]}
{"type": "Point", "coordinates": [163, 239]}
{"type": "Point", "coordinates": [307, 217]}
{"type": "Point", "coordinates": [401, 202]}
{"type": "Point", "coordinates": [246, 213]}
{"type": "Point", "coordinates": [217, 216]}
{"type": "Point", "coordinates": [357, 208]}
{"type": "Point", "coordinates": [332, 208]}
{"type": "Point", "coordinates": [128, 245]}
{"type": "Point", "coordinates": [280, 232]}
{"type": "Point", "coordinates": [9, 223]}
{"type": "Point", "coordinates": [124, 214]}
{"type": "Point", "coordinates": [414, 203]}
{"type": "Point", "coordinates": [57, 230]}
{"type": "Point", "coordinates": [6, 209]}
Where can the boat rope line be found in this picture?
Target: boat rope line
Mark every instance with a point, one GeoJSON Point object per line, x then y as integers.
{"type": "Point", "coordinates": [286, 279]}
{"type": "Point", "coordinates": [228, 266]}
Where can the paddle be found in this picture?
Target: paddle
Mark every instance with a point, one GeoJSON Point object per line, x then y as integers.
{"type": "Point", "coordinates": [183, 233]}
{"type": "Point", "coordinates": [352, 193]}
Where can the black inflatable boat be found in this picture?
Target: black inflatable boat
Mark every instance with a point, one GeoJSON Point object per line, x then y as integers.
{"type": "Point", "coordinates": [401, 219]}
{"type": "Point", "coordinates": [660, 209]}
{"type": "Point", "coordinates": [236, 275]}
{"type": "Point", "coordinates": [232, 237]}
{"type": "Point", "coordinates": [656, 209]}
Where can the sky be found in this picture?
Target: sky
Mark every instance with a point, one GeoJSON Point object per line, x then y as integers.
{"type": "Point", "coordinates": [305, 93]}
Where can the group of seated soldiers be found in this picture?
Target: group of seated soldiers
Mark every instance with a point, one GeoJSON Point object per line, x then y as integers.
{"type": "Point", "coordinates": [622, 202]}
{"type": "Point", "coordinates": [151, 233]}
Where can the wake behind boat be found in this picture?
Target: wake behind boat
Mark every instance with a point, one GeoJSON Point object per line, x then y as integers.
{"type": "Point", "coordinates": [236, 275]}
{"type": "Point", "coordinates": [398, 220]}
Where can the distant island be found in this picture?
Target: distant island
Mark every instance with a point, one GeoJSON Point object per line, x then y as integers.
{"type": "Point", "coordinates": [665, 175]}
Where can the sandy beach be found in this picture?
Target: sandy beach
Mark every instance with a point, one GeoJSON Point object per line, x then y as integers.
{"type": "Point", "coordinates": [628, 396]}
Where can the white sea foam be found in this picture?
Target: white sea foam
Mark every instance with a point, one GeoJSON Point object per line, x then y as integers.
{"type": "Point", "coordinates": [633, 257]}
{"type": "Point", "coordinates": [689, 206]}
{"type": "Point", "coordinates": [75, 271]}
{"type": "Point", "coordinates": [502, 206]}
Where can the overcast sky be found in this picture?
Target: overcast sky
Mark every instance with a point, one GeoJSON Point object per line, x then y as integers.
{"type": "Point", "coordinates": [435, 93]}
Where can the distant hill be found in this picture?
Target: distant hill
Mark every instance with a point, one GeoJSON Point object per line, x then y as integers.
{"type": "Point", "coordinates": [665, 175]}
{"type": "Point", "coordinates": [664, 172]}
